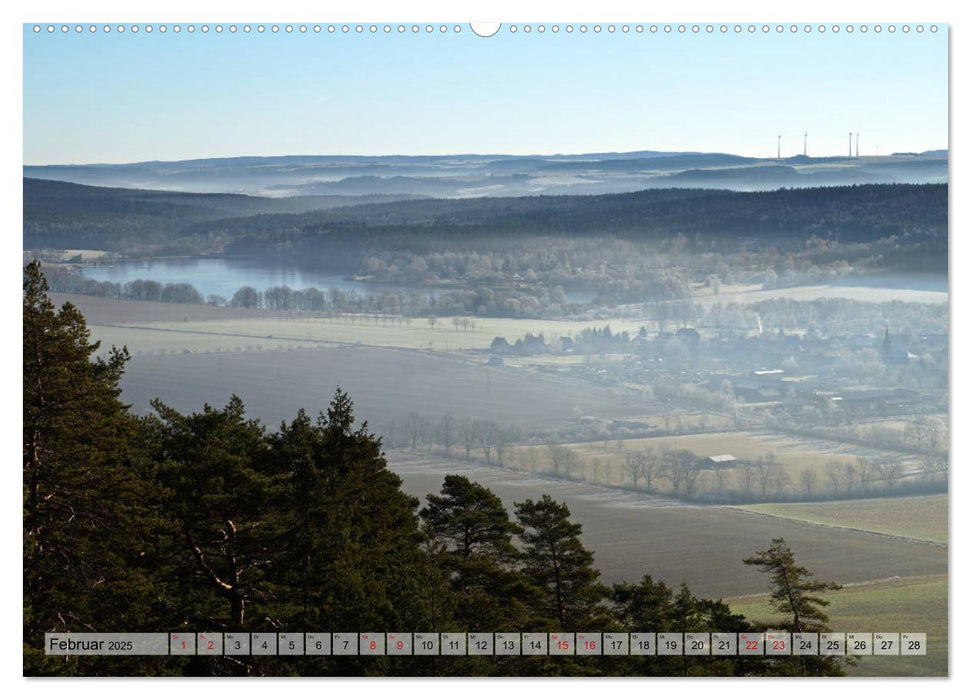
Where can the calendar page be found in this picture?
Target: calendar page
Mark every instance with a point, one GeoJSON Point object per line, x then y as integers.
{"type": "Point", "coordinates": [521, 348]}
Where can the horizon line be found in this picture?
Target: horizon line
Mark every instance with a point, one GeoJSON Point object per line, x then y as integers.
{"type": "Point", "coordinates": [467, 154]}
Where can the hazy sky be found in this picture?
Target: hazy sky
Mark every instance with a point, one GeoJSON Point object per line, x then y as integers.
{"type": "Point", "coordinates": [134, 97]}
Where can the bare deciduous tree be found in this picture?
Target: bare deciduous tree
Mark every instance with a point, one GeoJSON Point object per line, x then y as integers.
{"type": "Point", "coordinates": [890, 471]}
{"type": "Point", "coordinates": [487, 438]}
{"type": "Point", "coordinates": [808, 479]}
{"type": "Point", "coordinates": [764, 475]}
{"type": "Point", "coordinates": [446, 431]}
{"type": "Point", "coordinates": [680, 467]}
{"type": "Point", "coordinates": [503, 435]}
{"type": "Point", "coordinates": [560, 458]}
{"type": "Point", "coordinates": [416, 428]}
{"type": "Point", "coordinates": [749, 475]}
{"type": "Point", "coordinates": [835, 472]}
{"type": "Point", "coordinates": [864, 473]}
{"type": "Point", "coordinates": [780, 479]}
{"type": "Point", "coordinates": [595, 467]}
{"type": "Point", "coordinates": [931, 467]}
{"type": "Point", "coordinates": [850, 477]}
{"type": "Point", "coordinates": [721, 478]}
{"type": "Point", "coordinates": [634, 463]}
{"type": "Point", "coordinates": [469, 435]}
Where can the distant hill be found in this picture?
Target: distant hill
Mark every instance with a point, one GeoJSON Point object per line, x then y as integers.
{"type": "Point", "coordinates": [474, 175]}
{"type": "Point", "coordinates": [68, 215]}
{"type": "Point", "coordinates": [910, 220]}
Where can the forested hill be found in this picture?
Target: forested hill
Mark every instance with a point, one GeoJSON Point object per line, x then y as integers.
{"type": "Point", "coordinates": [67, 215]}
{"type": "Point", "coordinates": [855, 212]}
{"type": "Point", "coordinates": [131, 221]}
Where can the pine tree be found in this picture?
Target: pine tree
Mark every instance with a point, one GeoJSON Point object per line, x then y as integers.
{"type": "Point", "coordinates": [556, 562]}
{"type": "Point", "coordinates": [87, 501]}
{"type": "Point", "coordinates": [221, 493]}
{"type": "Point", "coordinates": [793, 589]}
{"type": "Point", "coordinates": [471, 520]}
{"type": "Point", "coordinates": [793, 595]}
{"type": "Point", "coordinates": [472, 542]}
{"type": "Point", "coordinates": [652, 606]}
{"type": "Point", "coordinates": [369, 538]}
{"type": "Point", "coordinates": [351, 548]}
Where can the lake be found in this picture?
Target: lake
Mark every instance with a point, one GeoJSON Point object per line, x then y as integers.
{"type": "Point", "coordinates": [225, 277]}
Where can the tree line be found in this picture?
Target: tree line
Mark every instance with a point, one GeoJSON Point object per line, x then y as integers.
{"type": "Point", "coordinates": [671, 472]}
{"type": "Point", "coordinates": [209, 522]}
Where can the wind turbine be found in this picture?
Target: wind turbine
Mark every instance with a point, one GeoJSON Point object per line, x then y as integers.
{"type": "Point", "coordinates": [778, 149]}
{"type": "Point", "coordinates": [805, 139]}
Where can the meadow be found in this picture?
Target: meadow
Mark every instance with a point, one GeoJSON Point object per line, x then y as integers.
{"type": "Point", "coordinates": [381, 331]}
{"type": "Point", "coordinates": [905, 604]}
{"type": "Point", "coordinates": [385, 385]}
{"type": "Point", "coordinates": [753, 293]}
{"type": "Point", "coordinates": [914, 517]}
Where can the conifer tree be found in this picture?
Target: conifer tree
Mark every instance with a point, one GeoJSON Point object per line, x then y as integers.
{"type": "Point", "coordinates": [87, 502]}
{"type": "Point", "coordinates": [220, 496]}
{"type": "Point", "coordinates": [474, 534]}
{"type": "Point", "coordinates": [556, 562]}
{"type": "Point", "coordinates": [794, 589]}
{"type": "Point", "coordinates": [472, 521]}
{"type": "Point", "coordinates": [794, 594]}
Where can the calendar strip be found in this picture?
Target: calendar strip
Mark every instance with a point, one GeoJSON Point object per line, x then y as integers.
{"type": "Point", "coordinates": [770, 643]}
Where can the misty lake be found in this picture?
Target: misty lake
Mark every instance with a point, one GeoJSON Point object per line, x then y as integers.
{"type": "Point", "coordinates": [224, 277]}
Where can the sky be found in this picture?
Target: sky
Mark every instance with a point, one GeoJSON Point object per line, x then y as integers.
{"type": "Point", "coordinates": [133, 97]}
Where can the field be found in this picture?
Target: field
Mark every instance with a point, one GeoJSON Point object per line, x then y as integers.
{"type": "Point", "coordinates": [149, 327]}
{"type": "Point", "coordinates": [633, 534]}
{"type": "Point", "coordinates": [384, 384]}
{"type": "Point", "coordinates": [907, 604]}
{"type": "Point", "coordinates": [686, 421]}
{"type": "Point", "coordinates": [147, 341]}
{"type": "Point", "coordinates": [753, 293]}
{"type": "Point", "coordinates": [100, 311]}
{"type": "Point", "coordinates": [890, 585]}
{"type": "Point", "coordinates": [915, 517]}
{"type": "Point", "coordinates": [364, 330]}
{"type": "Point", "coordinates": [793, 454]}
{"type": "Point", "coordinates": [177, 327]}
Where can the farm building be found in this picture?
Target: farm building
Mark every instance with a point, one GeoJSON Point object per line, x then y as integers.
{"type": "Point", "coordinates": [719, 462]}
